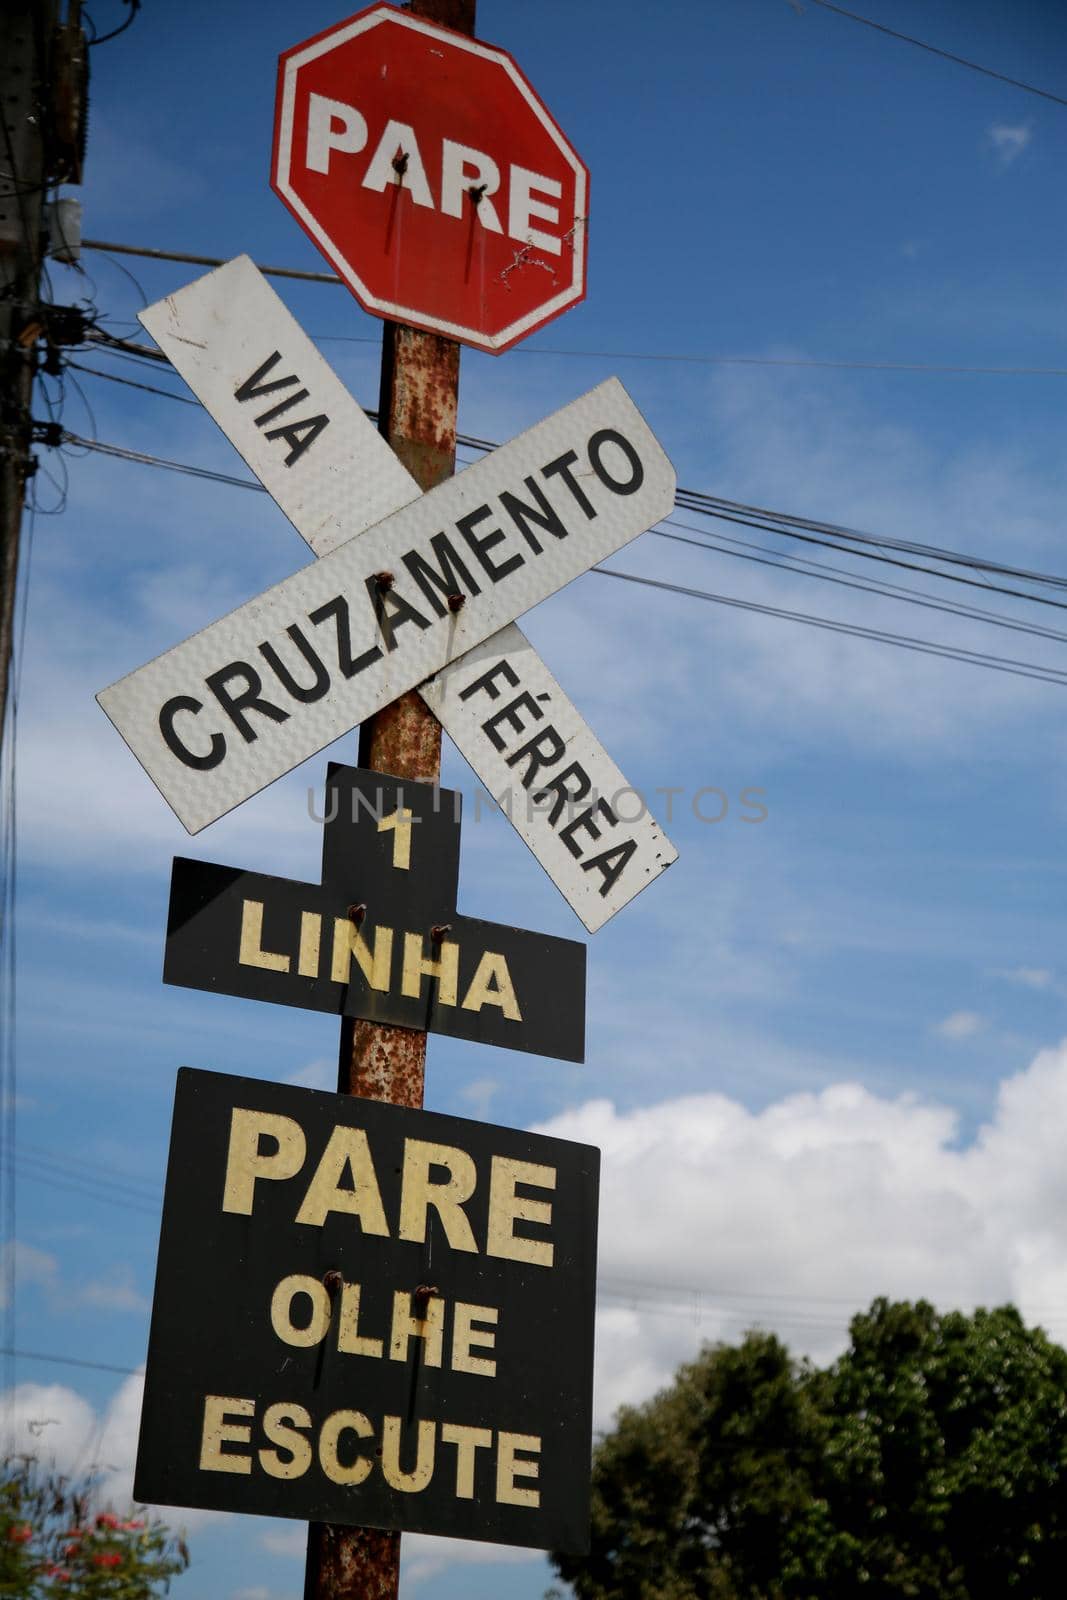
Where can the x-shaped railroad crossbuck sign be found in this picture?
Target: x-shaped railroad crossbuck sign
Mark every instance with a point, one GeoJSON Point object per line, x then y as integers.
{"type": "Point", "coordinates": [239, 704]}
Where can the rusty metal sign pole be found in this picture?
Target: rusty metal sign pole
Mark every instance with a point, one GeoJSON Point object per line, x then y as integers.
{"type": "Point", "coordinates": [417, 414]}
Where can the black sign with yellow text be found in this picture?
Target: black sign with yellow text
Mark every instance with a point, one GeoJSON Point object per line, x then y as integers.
{"type": "Point", "coordinates": [370, 1315]}
{"type": "Point", "coordinates": [380, 937]}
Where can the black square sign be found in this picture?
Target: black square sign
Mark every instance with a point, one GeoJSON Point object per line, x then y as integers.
{"type": "Point", "coordinates": [380, 937]}
{"type": "Point", "coordinates": [370, 1315]}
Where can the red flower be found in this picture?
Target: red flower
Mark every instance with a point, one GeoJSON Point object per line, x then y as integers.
{"type": "Point", "coordinates": [107, 1558]}
{"type": "Point", "coordinates": [20, 1532]}
{"type": "Point", "coordinates": [131, 1527]}
{"type": "Point", "coordinates": [107, 1519]}
{"type": "Point", "coordinates": [72, 1549]}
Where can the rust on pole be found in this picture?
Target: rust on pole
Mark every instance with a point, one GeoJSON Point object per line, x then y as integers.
{"type": "Point", "coordinates": [417, 414]}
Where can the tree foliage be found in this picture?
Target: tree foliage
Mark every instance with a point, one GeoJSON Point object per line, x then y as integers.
{"type": "Point", "coordinates": [53, 1545]}
{"type": "Point", "coordinates": [928, 1463]}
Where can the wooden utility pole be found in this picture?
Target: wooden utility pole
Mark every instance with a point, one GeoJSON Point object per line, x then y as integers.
{"type": "Point", "coordinates": [26, 29]}
{"type": "Point", "coordinates": [417, 414]}
{"type": "Point", "coordinates": [43, 80]}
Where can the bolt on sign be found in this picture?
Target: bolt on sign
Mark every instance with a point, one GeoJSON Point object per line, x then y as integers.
{"type": "Point", "coordinates": [315, 451]}
{"type": "Point", "coordinates": [370, 1315]}
{"type": "Point", "coordinates": [380, 938]}
{"type": "Point", "coordinates": [427, 170]}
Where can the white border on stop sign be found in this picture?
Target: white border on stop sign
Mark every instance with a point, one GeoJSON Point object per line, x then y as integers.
{"type": "Point", "coordinates": [406, 313]}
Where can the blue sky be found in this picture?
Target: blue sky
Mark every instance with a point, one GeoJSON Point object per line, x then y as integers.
{"type": "Point", "coordinates": [827, 1051]}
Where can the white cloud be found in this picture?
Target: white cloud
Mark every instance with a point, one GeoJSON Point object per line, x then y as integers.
{"type": "Point", "coordinates": [961, 1025]}
{"type": "Point", "coordinates": [286, 1541]}
{"type": "Point", "coordinates": [65, 1432]}
{"type": "Point", "coordinates": [1040, 978]}
{"type": "Point", "coordinates": [425, 1556]}
{"type": "Point", "coordinates": [31, 1266]}
{"type": "Point", "coordinates": [320, 1074]}
{"type": "Point", "coordinates": [422, 1556]}
{"type": "Point", "coordinates": [116, 1292]}
{"type": "Point", "coordinates": [1009, 140]}
{"type": "Point", "coordinates": [478, 1096]}
{"type": "Point", "coordinates": [76, 1439]}
{"type": "Point", "coordinates": [715, 1218]}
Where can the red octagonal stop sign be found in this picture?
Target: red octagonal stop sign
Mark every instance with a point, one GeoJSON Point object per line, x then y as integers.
{"type": "Point", "coordinates": [426, 169]}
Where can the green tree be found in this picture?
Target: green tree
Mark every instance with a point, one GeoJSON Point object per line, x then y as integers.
{"type": "Point", "coordinates": [52, 1544]}
{"type": "Point", "coordinates": [929, 1462]}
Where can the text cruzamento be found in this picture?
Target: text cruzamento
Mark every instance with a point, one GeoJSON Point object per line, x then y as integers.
{"type": "Point", "coordinates": [354, 629]}
{"type": "Point", "coordinates": [217, 718]}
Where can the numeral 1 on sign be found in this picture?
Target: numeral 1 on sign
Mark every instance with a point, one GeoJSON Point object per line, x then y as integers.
{"type": "Point", "coordinates": [400, 823]}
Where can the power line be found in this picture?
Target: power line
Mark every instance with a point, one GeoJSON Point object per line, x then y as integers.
{"type": "Point", "coordinates": [892, 561]}
{"type": "Point", "coordinates": [1020, 669]}
{"type": "Point", "coordinates": [105, 38]}
{"type": "Point", "coordinates": [752, 361]}
{"type": "Point", "coordinates": [686, 358]}
{"type": "Point", "coordinates": [67, 1361]}
{"type": "Point", "coordinates": [714, 505]}
{"type": "Point", "coordinates": [132, 347]}
{"type": "Point", "coordinates": [205, 261]}
{"type": "Point", "coordinates": [92, 1185]}
{"type": "Point", "coordinates": [698, 500]}
{"type": "Point", "coordinates": [891, 591]}
{"type": "Point", "coordinates": [704, 504]}
{"type": "Point", "coordinates": [131, 383]}
{"type": "Point", "coordinates": [149, 1188]}
{"type": "Point", "coordinates": [934, 50]}
{"type": "Point", "coordinates": [1026, 669]}
{"type": "Point", "coordinates": [143, 459]}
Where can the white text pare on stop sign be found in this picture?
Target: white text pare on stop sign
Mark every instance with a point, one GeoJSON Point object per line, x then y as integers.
{"type": "Point", "coordinates": [338, 132]}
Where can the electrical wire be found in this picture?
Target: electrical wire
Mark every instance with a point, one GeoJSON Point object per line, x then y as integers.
{"type": "Point", "coordinates": [782, 523]}
{"type": "Point", "coordinates": [698, 500]}
{"type": "Point", "coordinates": [707, 504]}
{"type": "Point", "coordinates": [88, 1180]}
{"type": "Point", "coordinates": [950, 370]}
{"type": "Point", "coordinates": [1008, 664]}
{"type": "Point", "coordinates": [947, 55]}
{"type": "Point", "coordinates": [131, 347]}
{"type": "Point", "coordinates": [70, 1185]}
{"type": "Point", "coordinates": [105, 38]}
{"type": "Point", "coordinates": [896, 561]}
{"type": "Point", "coordinates": [1021, 669]}
{"type": "Point", "coordinates": [685, 358]}
{"type": "Point", "coordinates": [822, 570]}
{"type": "Point", "coordinates": [131, 383]}
{"type": "Point", "coordinates": [145, 460]}
{"type": "Point", "coordinates": [68, 1361]}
